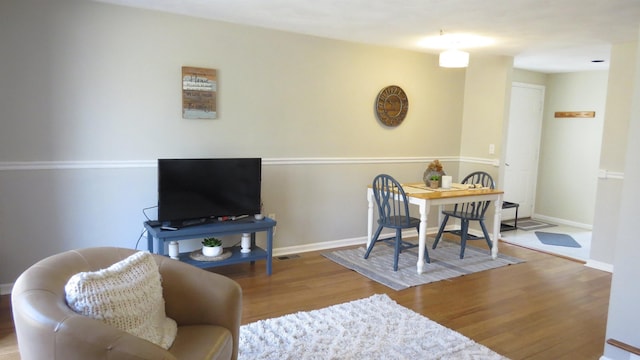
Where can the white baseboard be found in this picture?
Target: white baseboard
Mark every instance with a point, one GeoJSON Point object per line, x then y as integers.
{"type": "Point", "coordinates": [5, 289]}
{"type": "Point", "coordinates": [599, 265]}
{"type": "Point", "coordinates": [327, 245]}
{"type": "Point", "coordinates": [319, 246]}
{"type": "Point", "coordinates": [562, 221]}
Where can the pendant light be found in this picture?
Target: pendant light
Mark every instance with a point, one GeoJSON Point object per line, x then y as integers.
{"type": "Point", "coordinates": [454, 59]}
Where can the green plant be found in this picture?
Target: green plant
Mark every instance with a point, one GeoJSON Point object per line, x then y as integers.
{"type": "Point", "coordinates": [435, 177]}
{"type": "Point", "coordinates": [211, 242]}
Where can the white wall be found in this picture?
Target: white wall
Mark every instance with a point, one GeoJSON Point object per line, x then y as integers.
{"type": "Point", "coordinates": [90, 98]}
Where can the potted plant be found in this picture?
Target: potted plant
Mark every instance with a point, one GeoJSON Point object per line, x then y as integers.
{"type": "Point", "coordinates": [433, 172]}
{"type": "Point", "coordinates": [434, 181]}
{"type": "Point", "coordinates": [211, 246]}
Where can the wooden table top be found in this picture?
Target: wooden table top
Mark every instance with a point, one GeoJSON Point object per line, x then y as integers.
{"type": "Point", "coordinates": [421, 191]}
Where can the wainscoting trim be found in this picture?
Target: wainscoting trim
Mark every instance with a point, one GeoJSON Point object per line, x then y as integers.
{"type": "Point", "coordinates": [123, 164]}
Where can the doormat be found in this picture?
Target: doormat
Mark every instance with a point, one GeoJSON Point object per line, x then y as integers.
{"type": "Point", "coordinates": [555, 239]}
{"type": "Point", "coordinates": [529, 224]}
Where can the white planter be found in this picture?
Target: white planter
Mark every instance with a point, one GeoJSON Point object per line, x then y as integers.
{"type": "Point", "coordinates": [211, 250]}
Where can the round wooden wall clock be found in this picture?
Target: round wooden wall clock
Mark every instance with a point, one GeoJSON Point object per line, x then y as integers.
{"type": "Point", "coordinates": [392, 105]}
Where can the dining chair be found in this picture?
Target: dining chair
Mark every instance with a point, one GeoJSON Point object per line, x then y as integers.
{"type": "Point", "coordinates": [393, 212]}
{"type": "Point", "coordinates": [470, 211]}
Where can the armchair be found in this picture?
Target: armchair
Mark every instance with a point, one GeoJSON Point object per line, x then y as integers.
{"type": "Point", "coordinates": [206, 306]}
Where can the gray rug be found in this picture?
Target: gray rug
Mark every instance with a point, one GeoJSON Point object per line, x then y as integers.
{"type": "Point", "coordinates": [445, 263]}
{"type": "Point", "coordinates": [368, 329]}
{"type": "Point", "coordinates": [556, 239]}
{"type": "Point", "coordinates": [528, 224]}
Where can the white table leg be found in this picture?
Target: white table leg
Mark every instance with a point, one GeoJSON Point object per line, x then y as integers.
{"type": "Point", "coordinates": [497, 218]}
{"type": "Point", "coordinates": [369, 217]}
{"type": "Point", "coordinates": [422, 236]}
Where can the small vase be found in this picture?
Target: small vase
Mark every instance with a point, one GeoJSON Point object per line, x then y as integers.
{"type": "Point", "coordinates": [211, 250]}
{"type": "Point", "coordinates": [434, 184]}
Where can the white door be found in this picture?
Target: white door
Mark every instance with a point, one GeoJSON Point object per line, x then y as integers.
{"type": "Point", "coordinates": [523, 146]}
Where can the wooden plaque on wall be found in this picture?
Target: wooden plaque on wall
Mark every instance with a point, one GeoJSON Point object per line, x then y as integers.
{"type": "Point", "coordinates": [199, 93]}
{"type": "Point", "coordinates": [575, 114]}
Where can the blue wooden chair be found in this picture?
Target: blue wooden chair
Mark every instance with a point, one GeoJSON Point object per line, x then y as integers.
{"type": "Point", "coordinates": [466, 212]}
{"type": "Point", "coordinates": [393, 212]}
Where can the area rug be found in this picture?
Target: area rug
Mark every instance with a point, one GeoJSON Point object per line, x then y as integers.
{"type": "Point", "coordinates": [556, 239]}
{"type": "Point", "coordinates": [529, 224]}
{"type": "Point", "coordinates": [445, 263]}
{"type": "Point", "coordinates": [372, 328]}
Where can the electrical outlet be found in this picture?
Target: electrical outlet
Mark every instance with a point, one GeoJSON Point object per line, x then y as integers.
{"type": "Point", "coordinates": [492, 149]}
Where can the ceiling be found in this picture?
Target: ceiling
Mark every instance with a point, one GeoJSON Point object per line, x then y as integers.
{"type": "Point", "coordinates": [542, 35]}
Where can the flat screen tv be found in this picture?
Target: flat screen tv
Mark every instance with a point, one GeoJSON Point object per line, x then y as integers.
{"type": "Point", "coordinates": [191, 190]}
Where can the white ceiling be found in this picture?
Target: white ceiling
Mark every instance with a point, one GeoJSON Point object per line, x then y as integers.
{"type": "Point", "coordinates": [542, 35]}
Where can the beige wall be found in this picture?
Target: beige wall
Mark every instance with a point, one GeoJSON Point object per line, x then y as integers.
{"type": "Point", "coordinates": [529, 77]}
{"type": "Point", "coordinates": [570, 148]}
{"type": "Point", "coordinates": [486, 100]}
{"type": "Point", "coordinates": [91, 105]}
{"type": "Point", "coordinates": [623, 317]}
{"type": "Point", "coordinates": [614, 149]}
{"type": "Point", "coordinates": [616, 126]}
{"type": "Point", "coordinates": [280, 94]}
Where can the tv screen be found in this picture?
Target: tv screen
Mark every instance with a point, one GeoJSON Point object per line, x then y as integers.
{"type": "Point", "coordinates": [190, 189]}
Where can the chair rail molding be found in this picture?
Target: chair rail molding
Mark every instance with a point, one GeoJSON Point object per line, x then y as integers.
{"type": "Point", "coordinates": [72, 165]}
{"type": "Point", "coordinates": [123, 164]}
{"type": "Point", "coordinates": [608, 174]}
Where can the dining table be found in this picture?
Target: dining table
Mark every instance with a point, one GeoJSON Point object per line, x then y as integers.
{"type": "Point", "coordinates": [425, 197]}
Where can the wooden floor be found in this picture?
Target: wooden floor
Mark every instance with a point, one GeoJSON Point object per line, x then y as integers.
{"type": "Point", "coordinates": [545, 308]}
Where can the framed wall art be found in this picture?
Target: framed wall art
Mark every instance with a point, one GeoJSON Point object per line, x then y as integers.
{"type": "Point", "coordinates": [199, 93]}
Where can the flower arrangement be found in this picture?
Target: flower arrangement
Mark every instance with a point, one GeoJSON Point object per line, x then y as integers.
{"type": "Point", "coordinates": [435, 166]}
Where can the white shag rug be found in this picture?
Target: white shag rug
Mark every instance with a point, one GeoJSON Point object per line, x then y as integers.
{"type": "Point", "coordinates": [372, 328]}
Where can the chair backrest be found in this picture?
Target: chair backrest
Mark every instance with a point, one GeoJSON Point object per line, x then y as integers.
{"type": "Point", "coordinates": [393, 208]}
{"type": "Point", "coordinates": [476, 209]}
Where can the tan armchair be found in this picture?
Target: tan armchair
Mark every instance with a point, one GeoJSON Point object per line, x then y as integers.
{"type": "Point", "coordinates": [206, 306]}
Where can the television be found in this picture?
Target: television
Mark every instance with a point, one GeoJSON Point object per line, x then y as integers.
{"type": "Point", "coordinates": [194, 191]}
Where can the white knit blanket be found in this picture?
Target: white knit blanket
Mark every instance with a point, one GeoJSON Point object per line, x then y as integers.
{"type": "Point", "coordinates": [371, 328]}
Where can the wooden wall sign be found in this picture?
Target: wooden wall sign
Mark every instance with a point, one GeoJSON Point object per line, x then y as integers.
{"type": "Point", "coordinates": [199, 93]}
{"type": "Point", "coordinates": [575, 114]}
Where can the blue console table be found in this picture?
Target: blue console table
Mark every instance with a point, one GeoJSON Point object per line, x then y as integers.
{"type": "Point", "coordinates": [156, 237]}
